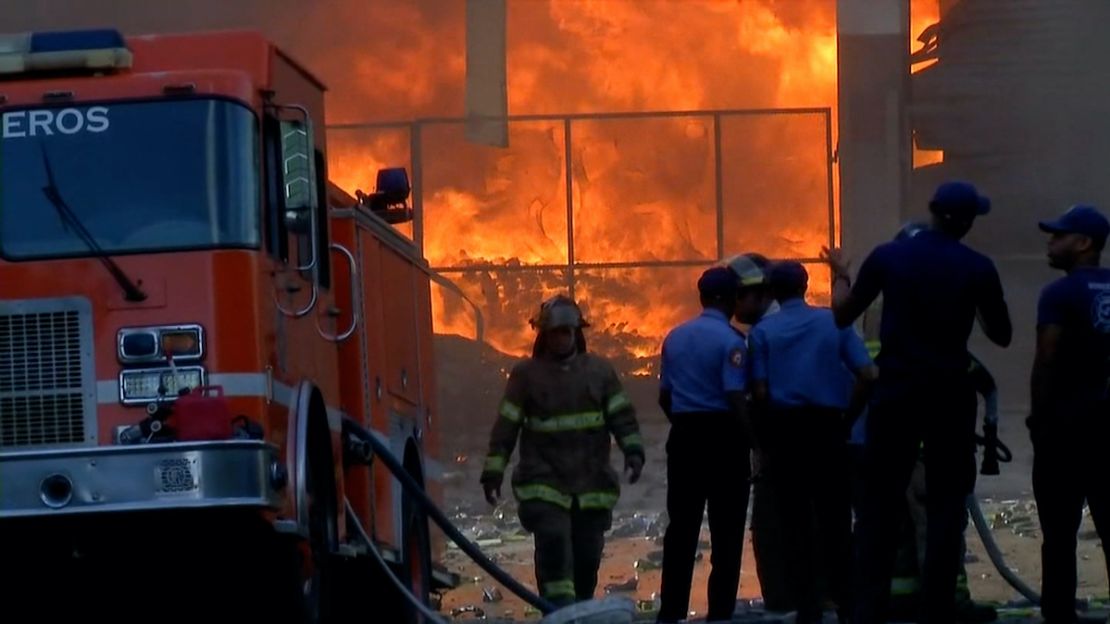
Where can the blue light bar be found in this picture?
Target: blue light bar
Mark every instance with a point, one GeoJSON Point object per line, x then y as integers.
{"type": "Point", "coordinates": [91, 50]}
{"type": "Point", "coordinates": [66, 41]}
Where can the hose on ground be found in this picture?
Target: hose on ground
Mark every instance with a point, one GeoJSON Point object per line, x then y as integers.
{"type": "Point", "coordinates": [413, 488]}
{"type": "Point", "coordinates": [995, 554]}
{"type": "Point", "coordinates": [1002, 454]}
{"type": "Point", "coordinates": [409, 596]}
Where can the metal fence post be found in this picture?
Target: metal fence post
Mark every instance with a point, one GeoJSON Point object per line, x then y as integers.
{"type": "Point", "coordinates": [718, 175]}
{"type": "Point", "coordinates": [416, 154]}
{"type": "Point", "coordinates": [568, 164]}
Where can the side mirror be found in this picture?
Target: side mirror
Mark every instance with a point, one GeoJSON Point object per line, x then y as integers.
{"type": "Point", "coordinates": [299, 175]}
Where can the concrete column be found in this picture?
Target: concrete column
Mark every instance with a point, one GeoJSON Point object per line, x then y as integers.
{"type": "Point", "coordinates": [874, 147]}
{"type": "Point", "coordinates": [486, 82]}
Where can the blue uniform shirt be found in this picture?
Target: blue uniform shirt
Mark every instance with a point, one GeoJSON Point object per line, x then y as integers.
{"type": "Point", "coordinates": [1080, 304]}
{"type": "Point", "coordinates": [703, 359]}
{"type": "Point", "coordinates": [932, 287]}
{"type": "Point", "coordinates": [806, 360]}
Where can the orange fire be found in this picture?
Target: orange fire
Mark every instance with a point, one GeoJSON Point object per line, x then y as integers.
{"type": "Point", "coordinates": [923, 14]}
{"type": "Point", "coordinates": [644, 190]}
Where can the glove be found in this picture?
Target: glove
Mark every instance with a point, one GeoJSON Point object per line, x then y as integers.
{"type": "Point", "coordinates": [634, 464]}
{"type": "Point", "coordinates": [492, 490]}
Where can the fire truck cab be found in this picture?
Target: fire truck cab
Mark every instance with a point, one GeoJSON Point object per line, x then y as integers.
{"type": "Point", "coordinates": [192, 316]}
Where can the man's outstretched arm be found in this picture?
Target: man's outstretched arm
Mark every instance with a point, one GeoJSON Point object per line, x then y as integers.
{"type": "Point", "coordinates": [848, 302]}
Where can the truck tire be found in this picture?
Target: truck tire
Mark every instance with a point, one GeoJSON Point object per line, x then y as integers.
{"type": "Point", "coordinates": [417, 554]}
{"type": "Point", "coordinates": [317, 599]}
{"type": "Point", "coordinates": [414, 568]}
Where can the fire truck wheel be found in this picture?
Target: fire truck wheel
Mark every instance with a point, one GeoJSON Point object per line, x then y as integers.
{"type": "Point", "coordinates": [418, 553]}
{"type": "Point", "coordinates": [415, 567]}
{"type": "Point", "coordinates": [317, 598]}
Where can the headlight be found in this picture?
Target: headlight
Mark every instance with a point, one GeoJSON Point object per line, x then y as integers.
{"type": "Point", "coordinates": [155, 344]}
{"type": "Point", "coordinates": [143, 385]}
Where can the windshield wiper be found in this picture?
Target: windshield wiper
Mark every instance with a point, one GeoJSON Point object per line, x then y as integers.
{"type": "Point", "coordinates": [131, 291]}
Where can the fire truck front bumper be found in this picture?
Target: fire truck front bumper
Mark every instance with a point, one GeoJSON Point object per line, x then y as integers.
{"type": "Point", "coordinates": [148, 477]}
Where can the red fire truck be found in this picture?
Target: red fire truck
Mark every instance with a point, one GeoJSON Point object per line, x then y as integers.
{"type": "Point", "coordinates": [191, 316]}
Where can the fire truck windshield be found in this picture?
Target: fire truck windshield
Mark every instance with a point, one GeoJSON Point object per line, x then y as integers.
{"type": "Point", "coordinates": [144, 176]}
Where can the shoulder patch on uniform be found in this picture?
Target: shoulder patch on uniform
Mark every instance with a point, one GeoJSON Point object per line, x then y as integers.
{"type": "Point", "coordinates": [736, 357]}
{"type": "Point", "coordinates": [1100, 312]}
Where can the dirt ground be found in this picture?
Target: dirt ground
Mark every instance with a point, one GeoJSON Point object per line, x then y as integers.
{"type": "Point", "coordinates": [472, 376]}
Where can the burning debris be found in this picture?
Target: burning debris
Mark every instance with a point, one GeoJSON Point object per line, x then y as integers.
{"type": "Point", "coordinates": [513, 225]}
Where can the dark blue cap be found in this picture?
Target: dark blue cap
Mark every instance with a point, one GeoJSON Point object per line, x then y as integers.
{"type": "Point", "coordinates": [959, 198]}
{"type": "Point", "coordinates": [717, 282]}
{"type": "Point", "coordinates": [788, 274]}
{"type": "Point", "coordinates": [1080, 219]}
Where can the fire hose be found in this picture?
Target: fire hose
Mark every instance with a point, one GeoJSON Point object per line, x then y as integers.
{"type": "Point", "coordinates": [995, 554]}
{"type": "Point", "coordinates": [396, 582]}
{"type": "Point", "coordinates": [994, 452]}
{"type": "Point", "coordinates": [413, 488]}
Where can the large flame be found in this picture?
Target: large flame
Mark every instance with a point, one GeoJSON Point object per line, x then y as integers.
{"type": "Point", "coordinates": [923, 14]}
{"type": "Point", "coordinates": [644, 190]}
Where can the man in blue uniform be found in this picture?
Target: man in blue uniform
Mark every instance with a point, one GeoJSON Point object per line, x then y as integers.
{"type": "Point", "coordinates": [802, 369]}
{"type": "Point", "coordinates": [1070, 420]}
{"type": "Point", "coordinates": [933, 287]}
{"type": "Point", "coordinates": [770, 538]}
{"type": "Point", "coordinates": [702, 392]}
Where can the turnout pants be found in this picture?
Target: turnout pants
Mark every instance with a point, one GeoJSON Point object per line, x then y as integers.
{"type": "Point", "coordinates": [708, 466]}
{"type": "Point", "coordinates": [807, 461]}
{"type": "Point", "coordinates": [940, 412]}
{"type": "Point", "coordinates": [910, 562]}
{"type": "Point", "coordinates": [568, 544]}
{"type": "Point", "coordinates": [1069, 466]}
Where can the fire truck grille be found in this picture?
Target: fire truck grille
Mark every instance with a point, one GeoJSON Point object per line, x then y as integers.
{"type": "Point", "coordinates": [47, 387]}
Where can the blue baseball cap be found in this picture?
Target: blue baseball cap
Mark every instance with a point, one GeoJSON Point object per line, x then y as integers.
{"type": "Point", "coordinates": [959, 198]}
{"type": "Point", "coordinates": [789, 274]}
{"type": "Point", "coordinates": [1080, 219]}
{"type": "Point", "coordinates": [717, 282]}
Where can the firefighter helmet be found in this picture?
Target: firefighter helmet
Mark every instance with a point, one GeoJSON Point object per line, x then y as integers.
{"type": "Point", "coordinates": [558, 311]}
{"type": "Point", "coordinates": [750, 268]}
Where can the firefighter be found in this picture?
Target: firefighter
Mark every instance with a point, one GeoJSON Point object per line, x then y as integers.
{"type": "Point", "coordinates": [933, 287]}
{"type": "Point", "coordinates": [803, 368]}
{"type": "Point", "coordinates": [905, 588]}
{"type": "Point", "coordinates": [702, 391]}
{"type": "Point", "coordinates": [564, 403]}
{"type": "Point", "coordinates": [1070, 419]}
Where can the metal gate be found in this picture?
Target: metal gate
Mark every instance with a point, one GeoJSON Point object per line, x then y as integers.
{"type": "Point", "coordinates": [618, 209]}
